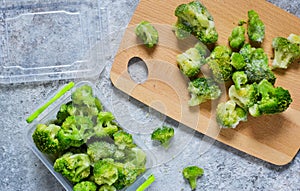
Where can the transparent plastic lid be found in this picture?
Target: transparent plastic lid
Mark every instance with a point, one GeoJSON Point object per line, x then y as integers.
{"type": "Point", "coordinates": [42, 40]}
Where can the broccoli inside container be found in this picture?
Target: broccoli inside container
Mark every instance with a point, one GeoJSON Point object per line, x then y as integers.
{"type": "Point", "coordinates": [83, 146]}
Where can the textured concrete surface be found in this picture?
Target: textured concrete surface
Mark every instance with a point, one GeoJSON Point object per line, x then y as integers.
{"type": "Point", "coordinates": [225, 168]}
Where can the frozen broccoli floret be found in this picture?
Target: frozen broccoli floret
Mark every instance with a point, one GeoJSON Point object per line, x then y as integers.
{"type": "Point", "coordinates": [285, 52]}
{"type": "Point", "coordinates": [191, 60]}
{"type": "Point", "coordinates": [182, 30]}
{"type": "Point", "coordinates": [45, 139]}
{"type": "Point", "coordinates": [256, 27]}
{"type": "Point", "coordinates": [106, 187]}
{"type": "Point", "coordinates": [123, 140]}
{"type": "Point", "coordinates": [136, 156]}
{"type": "Point", "coordinates": [65, 111]}
{"type": "Point", "coordinates": [237, 61]}
{"type": "Point", "coordinates": [163, 135]}
{"type": "Point", "coordinates": [75, 167]}
{"type": "Point", "coordinates": [105, 172]}
{"type": "Point", "coordinates": [85, 186]}
{"type": "Point", "coordinates": [192, 173]}
{"type": "Point", "coordinates": [229, 114]}
{"type": "Point", "coordinates": [147, 33]}
{"type": "Point", "coordinates": [105, 125]}
{"type": "Point", "coordinates": [100, 150]}
{"type": "Point", "coordinates": [237, 37]}
{"type": "Point", "coordinates": [293, 38]}
{"type": "Point", "coordinates": [271, 100]}
{"type": "Point", "coordinates": [239, 78]}
{"type": "Point", "coordinates": [203, 89]}
{"type": "Point", "coordinates": [198, 20]}
{"type": "Point", "coordinates": [246, 52]}
{"type": "Point", "coordinates": [219, 63]}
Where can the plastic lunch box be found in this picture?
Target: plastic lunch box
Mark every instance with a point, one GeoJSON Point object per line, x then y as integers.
{"type": "Point", "coordinates": [50, 113]}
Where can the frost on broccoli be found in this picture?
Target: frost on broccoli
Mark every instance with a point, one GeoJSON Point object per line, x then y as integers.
{"type": "Point", "coordinates": [256, 27]}
{"type": "Point", "coordinates": [147, 33]}
{"type": "Point", "coordinates": [237, 61]}
{"type": "Point", "coordinates": [237, 37]}
{"type": "Point", "coordinates": [194, 18]}
{"type": "Point", "coordinates": [219, 63]}
{"type": "Point", "coordinates": [101, 150]}
{"type": "Point", "coordinates": [285, 52]}
{"type": "Point", "coordinates": [85, 186]}
{"type": "Point", "coordinates": [229, 114]}
{"type": "Point", "coordinates": [190, 61]}
{"type": "Point", "coordinates": [295, 39]}
{"type": "Point", "coordinates": [123, 140]}
{"type": "Point", "coordinates": [105, 172]}
{"type": "Point", "coordinates": [106, 187]}
{"type": "Point", "coordinates": [191, 173]}
{"type": "Point", "coordinates": [163, 135]}
{"type": "Point", "coordinates": [203, 89]}
{"type": "Point", "coordinates": [105, 125]}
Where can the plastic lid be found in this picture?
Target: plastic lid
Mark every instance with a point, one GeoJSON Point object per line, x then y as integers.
{"type": "Point", "coordinates": [43, 40]}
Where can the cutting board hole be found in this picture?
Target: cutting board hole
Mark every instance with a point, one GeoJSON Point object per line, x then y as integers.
{"type": "Point", "coordinates": [137, 70]}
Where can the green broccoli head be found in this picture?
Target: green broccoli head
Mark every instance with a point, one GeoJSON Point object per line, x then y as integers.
{"type": "Point", "coordinates": [245, 97]}
{"type": "Point", "coordinates": [237, 37]}
{"type": "Point", "coordinates": [106, 187]}
{"type": "Point", "coordinates": [65, 111]}
{"type": "Point", "coordinates": [105, 125]}
{"type": "Point", "coordinates": [182, 30]}
{"type": "Point", "coordinates": [105, 172]}
{"type": "Point", "coordinates": [271, 100]}
{"type": "Point", "coordinates": [196, 17]}
{"type": "Point", "coordinates": [295, 39]}
{"type": "Point", "coordinates": [75, 167]}
{"type": "Point", "coordinates": [239, 78]}
{"type": "Point", "coordinates": [123, 140]}
{"type": "Point", "coordinates": [237, 61]}
{"type": "Point", "coordinates": [163, 135]}
{"type": "Point", "coordinates": [147, 33]}
{"type": "Point", "coordinates": [285, 52]}
{"type": "Point", "coordinates": [258, 68]}
{"type": "Point", "coordinates": [246, 52]}
{"type": "Point", "coordinates": [203, 89]}
{"type": "Point", "coordinates": [219, 63]}
{"type": "Point", "coordinates": [256, 27]}
{"type": "Point", "coordinates": [45, 139]}
{"type": "Point", "coordinates": [100, 150]}
{"type": "Point", "coordinates": [229, 114]}
{"type": "Point", "coordinates": [85, 186]}
{"type": "Point", "coordinates": [191, 173]}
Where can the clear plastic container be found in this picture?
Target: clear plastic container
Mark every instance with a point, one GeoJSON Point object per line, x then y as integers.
{"type": "Point", "coordinates": [48, 160]}
{"type": "Point", "coordinates": [42, 40]}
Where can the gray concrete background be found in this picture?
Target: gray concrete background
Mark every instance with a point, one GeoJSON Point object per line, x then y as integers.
{"type": "Point", "coordinates": [225, 168]}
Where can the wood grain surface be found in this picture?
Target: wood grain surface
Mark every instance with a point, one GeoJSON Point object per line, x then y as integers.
{"type": "Point", "coordinates": [273, 138]}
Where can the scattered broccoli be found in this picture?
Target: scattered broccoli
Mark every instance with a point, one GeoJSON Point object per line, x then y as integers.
{"type": "Point", "coordinates": [285, 52]}
{"type": "Point", "coordinates": [75, 167]}
{"type": "Point", "coordinates": [147, 33]}
{"type": "Point", "coordinates": [100, 150]}
{"type": "Point", "coordinates": [45, 139]}
{"type": "Point", "coordinates": [219, 63]}
{"type": "Point", "coordinates": [229, 114]}
{"type": "Point", "coordinates": [196, 18]}
{"type": "Point", "coordinates": [295, 39]}
{"type": "Point", "coordinates": [106, 187]}
{"type": "Point", "coordinates": [271, 100]}
{"type": "Point", "coordinates": [163, 135]}
{"type": "Point", "coordinates": [105, 172]}
{"type": "Point", "coordinates": [256, 27]}
{"type": "Point", "coordinates": [237, 61]}
{"type": "Point", "coordinates": [191, 173]}
{"type": "Point", "coordinates": [191, 60]}
{"type": "Point", "coordinates": [123, 140]}
{"type": "Point", "coordinates": [105, 125]}
{"type": "Point", "coordinates": [237, 37]}
{"type": "Point", "coordinates": [203, 89]}
{"type": "Point", "coordinates": [85, 186]}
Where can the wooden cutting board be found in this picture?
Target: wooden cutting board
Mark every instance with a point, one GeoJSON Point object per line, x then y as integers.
{"type": "Point", "coordinates": [273, 138]}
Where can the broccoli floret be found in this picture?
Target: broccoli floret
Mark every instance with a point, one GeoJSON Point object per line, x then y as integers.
{"type": "Point", "coordinates": [136, 156]}
{"type": "Point", "coordinates": [219, 63]}
{"type": "Point", "coordinates": [100, 150]}
{"type": "Point", "coordinates": [45, 139]}
{"type": "Point", "coordinates": [237, 37]}
{"type": "Point", "coordinates": [196, 17]}
{"type": "Point", "coordinates": [147, 33]}
{"type": "Point", "coordinates": [203, 89]}
{"type": "Point", "coordinates": [246, 52]}
{"type": "Point", "coordinates": [65, 111]}
{"type": "Point", "coordinates": [191, 173]}
{"type": "Point", "coordinates": [239, 78]}
{"type": "Point", "coordinates": [106, 187]}
{"type": "Point", "coordinates": [237, 61]}
{"type": "Point", "coordinates": [105, 125]}
{"type": "Point", "coordinates": [258, 68]}
{"type": "Point", "coordinates": [85, 186]}
{"type": "Point", "coordinates": [105, 172]}
{"type": "Point", "coordinates": [256, 27]}
{"type": "Point", "coordinates": [285, 52]}
{"type": "Point", "coordinates": [191, 60]}
{"type": "Point", "coordinates": [181, 30]}
{"type": "Point", "coordinates": [229, 114]}
{"type": "Point", "coordinates": [123, 140]}
{"type": "Point", "coordinates": [75, 167]}
{"type": "Point", "coordinates": [295, 39]}
{"type": "Point", "coordinates": [271, 100]}
{"type": "Point", "coordinates": [75, 131]}
{"type": "Point", "coordinates": [163, 135]}
{"type": "Point", "coordinates": [119, 155]}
